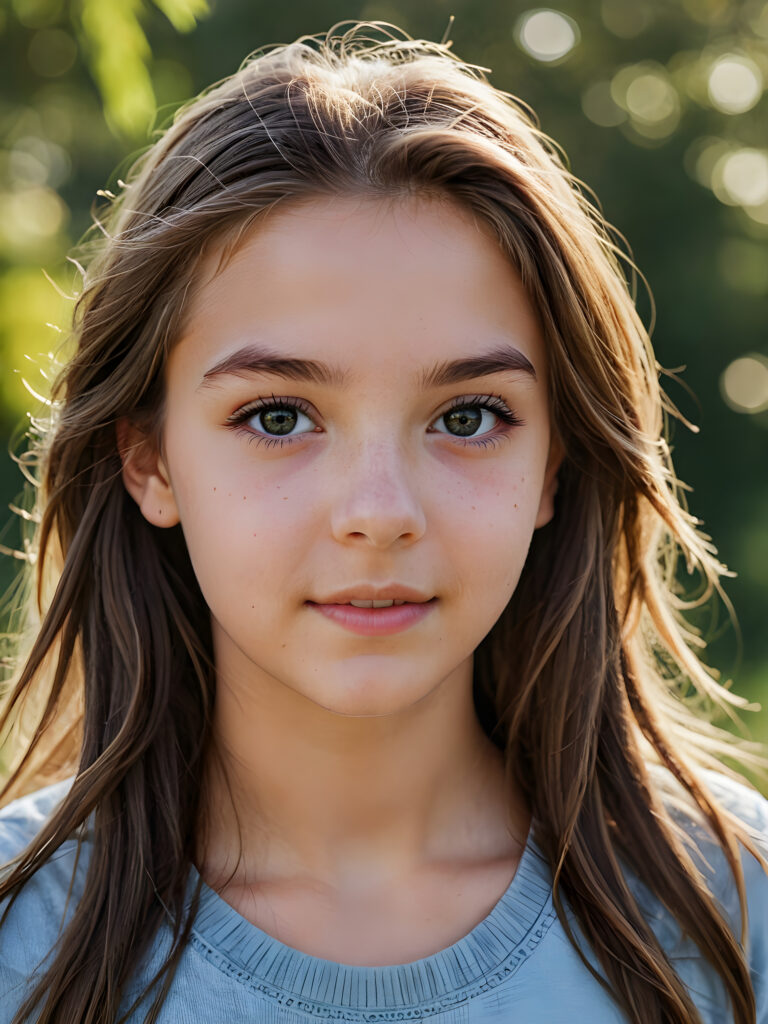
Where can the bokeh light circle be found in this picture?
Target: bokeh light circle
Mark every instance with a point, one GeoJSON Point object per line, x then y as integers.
{"type": "Point", "coordinates": [740, 177]}
{"type": "Point", "coordinates": [52, 52]}
{"type": "Point", "coordinates": [744, 383]}
{"type": "Point", "coordinates": [651, 98]}
{"type": "Point", "coordinates": [600, 107]}
{"type": "Point", "coordinates": [647, 93]}
{"type": "Point", "coordinates": [546, 34]}
{"type": "Point", "coordinates": [734, 84]}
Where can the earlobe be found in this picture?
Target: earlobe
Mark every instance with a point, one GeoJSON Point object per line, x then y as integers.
{"type": "Point", "coordinates": [549, 488]}
{"type": "Point", "coordinates": [145, 475]}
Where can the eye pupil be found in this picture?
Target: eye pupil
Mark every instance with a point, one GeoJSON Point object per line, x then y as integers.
{"type": "Point", "coordinates": [279, 421]}
{"type": "Point", "coordinates": [466, 420]}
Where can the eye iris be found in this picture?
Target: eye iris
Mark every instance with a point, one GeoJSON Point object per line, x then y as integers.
{"type": "Point", "coordinates": [466, 420]}
{"type": "Point", "coordinates": [279, 421]}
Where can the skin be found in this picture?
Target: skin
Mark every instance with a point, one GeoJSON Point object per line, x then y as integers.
{"type": "Point", "coordinates": [362, 782]}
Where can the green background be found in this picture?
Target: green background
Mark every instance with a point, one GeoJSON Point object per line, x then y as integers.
{"type": "Point", "coordinates": [660, 107]}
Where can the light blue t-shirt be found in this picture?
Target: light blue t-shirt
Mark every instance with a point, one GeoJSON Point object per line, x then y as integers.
{"type": "Point", "coordinates": [515, 965]}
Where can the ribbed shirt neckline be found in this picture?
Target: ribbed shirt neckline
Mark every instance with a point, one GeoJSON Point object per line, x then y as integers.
{"type": "Point", "coordinates": [486, 956]}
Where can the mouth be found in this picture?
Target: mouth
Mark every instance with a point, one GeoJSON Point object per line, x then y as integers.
{"type": "Point", "coordinates": [375, 618]}
{"type": "Point", "coordinates": [375, 595]}
{"type": "Point", "coordinates": [368, 604]}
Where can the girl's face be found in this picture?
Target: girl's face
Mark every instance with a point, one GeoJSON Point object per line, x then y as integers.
{"type": "Point", "coordinates": [357, 408]}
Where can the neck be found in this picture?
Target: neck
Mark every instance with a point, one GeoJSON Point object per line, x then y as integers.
{"type": "Point", "coordinates": [316, 793]}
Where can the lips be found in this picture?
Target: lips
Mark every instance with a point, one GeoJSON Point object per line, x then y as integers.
{"type": "Point", "coordinates": [378, 615]}
{"type": "Point", "coordinates": [375, 604]}
{"type": "Point", "coordinates": [399, 592]}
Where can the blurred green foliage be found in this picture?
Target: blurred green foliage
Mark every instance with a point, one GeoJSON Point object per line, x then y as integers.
{"type": "Point", "coordinates": [661, 107]}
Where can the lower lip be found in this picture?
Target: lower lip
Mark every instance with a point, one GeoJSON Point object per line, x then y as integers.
{"type": "Point", "coordinates": [375, 621]}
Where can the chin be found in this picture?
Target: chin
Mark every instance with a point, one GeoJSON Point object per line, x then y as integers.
{"type": "Point", "coordinates": [367, 697]}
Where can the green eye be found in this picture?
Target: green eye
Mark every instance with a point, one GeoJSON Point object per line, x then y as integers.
{"type": "Point", "coordinates": [484, 417]}
{"type": "Point", "coordinates": [280, 420]}
{"type": "Point", "coordinates": [274, 417]}
{"type": "Point", "coordinates": [469, 420]}
{"type": "Point", "coordinates": [463, 421]}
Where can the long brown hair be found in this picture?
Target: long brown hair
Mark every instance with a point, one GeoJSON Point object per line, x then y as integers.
{"type": "Point", "coordinates": [582, 680]}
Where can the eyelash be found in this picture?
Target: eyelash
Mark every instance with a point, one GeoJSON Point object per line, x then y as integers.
{"type": "Point", "coordinates": [239, 418]}
{"type": "Point", "coordinates": [494, 403]}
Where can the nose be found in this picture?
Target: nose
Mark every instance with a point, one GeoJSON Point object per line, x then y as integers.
{"type": "Point", "coordinates": [376, 502]}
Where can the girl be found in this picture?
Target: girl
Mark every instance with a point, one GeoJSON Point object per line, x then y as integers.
{"type": "Point", "coordinates": [359, 670]}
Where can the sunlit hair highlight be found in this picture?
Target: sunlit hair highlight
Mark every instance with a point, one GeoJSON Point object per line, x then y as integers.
{"type": "Point", "coordinates": [587, 677]}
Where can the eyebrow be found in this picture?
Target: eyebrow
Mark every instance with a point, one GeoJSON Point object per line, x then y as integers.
{"type": "Point", "coordinates": [257, 359]}
{"type": "Point", "coordinates": [504, 359]}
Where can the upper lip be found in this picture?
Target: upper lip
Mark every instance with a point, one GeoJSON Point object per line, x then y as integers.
{"type": "Point", "coordinates": [369, 592]}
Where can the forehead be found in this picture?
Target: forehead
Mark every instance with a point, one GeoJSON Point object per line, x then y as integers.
{"type": "Point", "coordinates": [370, 285]}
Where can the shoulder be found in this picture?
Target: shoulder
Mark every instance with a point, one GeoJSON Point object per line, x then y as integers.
{"type": "Point", "coordinates": [751, 809]}
{"type": "Point", "coordinates": [735, 796]}
{"type": "Point", "coordinates": [30, 923]}
{"type": "Point", "coordinates": [744, 803]}
{"type": "Point", "coordinates": [22, 819]}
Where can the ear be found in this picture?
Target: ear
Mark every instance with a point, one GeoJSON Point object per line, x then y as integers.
{"type": "Point", "coordinates": [549, 488]}
{"type": "Point", "coordinates": [145, 475]}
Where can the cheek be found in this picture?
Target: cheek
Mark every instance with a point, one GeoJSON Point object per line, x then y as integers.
{"type": "Point", "coordinates": [489, 498]}
{"type": "Point", "coordinates": [492, 554]}
{"type": "Point", "coordinates": [243, 528]}
{"type": "Point", "coordinates": [487, 522]}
